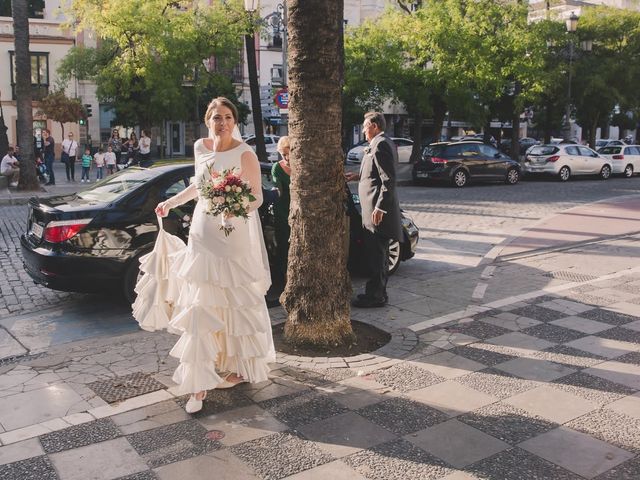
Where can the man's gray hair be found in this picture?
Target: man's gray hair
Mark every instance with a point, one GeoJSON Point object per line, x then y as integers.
{"type": "Point", "coordinates": [377, 118]}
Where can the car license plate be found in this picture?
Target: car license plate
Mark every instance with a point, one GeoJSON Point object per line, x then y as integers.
{"type": "Point", "coordinates": [36, 229]}
{"type": "Point", "coordinates": [422, 175]}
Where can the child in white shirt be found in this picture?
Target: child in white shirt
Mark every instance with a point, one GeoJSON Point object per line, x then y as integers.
{"type": "Point", "coordinates": [99, 160]}
{"type": "Point", "coordinates": [110, 159]}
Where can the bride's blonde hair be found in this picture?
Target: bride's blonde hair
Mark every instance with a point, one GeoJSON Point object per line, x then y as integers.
{"type": "Point", "coordinates": [215, 103]}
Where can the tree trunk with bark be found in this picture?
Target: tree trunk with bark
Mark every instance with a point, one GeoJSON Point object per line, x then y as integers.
{"type": "Point", "coordinates": [439, 107]}
{"type": "Point", "coordinates": [28, 177]}
{"type": "Point", "coordinates": [515, 131]}
{"type": "Point", "coordinates": [416, 149]}
{"type": "Point", "coordinates": [318, 288]}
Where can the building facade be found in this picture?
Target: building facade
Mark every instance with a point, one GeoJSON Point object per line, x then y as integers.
{"type": "Point", "coordinates": [271, 53]}
{"type": "Point", "coordinates": [49, 43]}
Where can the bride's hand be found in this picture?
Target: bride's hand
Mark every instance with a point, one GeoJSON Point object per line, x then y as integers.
{"type": "Point", "coordinates": [162, 210]}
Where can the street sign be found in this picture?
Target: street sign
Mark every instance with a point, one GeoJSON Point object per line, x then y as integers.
{"type": "Point", "coordinates": [282, 99]}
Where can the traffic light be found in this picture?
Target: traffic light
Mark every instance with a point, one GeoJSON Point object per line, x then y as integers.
{"type": "Point", "coordinates": [82, 121]}
{"type": "Point", "coordinates": [87, 108]}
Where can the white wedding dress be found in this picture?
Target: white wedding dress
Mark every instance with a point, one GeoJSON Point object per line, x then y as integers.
{"type": "Point", "coordinates": [217, 286]}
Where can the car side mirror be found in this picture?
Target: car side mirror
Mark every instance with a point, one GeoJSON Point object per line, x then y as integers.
{"type": "Point", "coordinates": [497, 155]}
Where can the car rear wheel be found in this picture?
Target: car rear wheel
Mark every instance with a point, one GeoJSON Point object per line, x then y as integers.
{"type": "Point", "coordinates": [628, 171]}
{"type": "Point", "coordinates": [394, 256]}
{"type": "Point", "coordinates": [605, 173]}
{"type": "Point", "coordinates": [564, 174]}
{"type": "Point", "coordinates": [513, 176]}
{"type": "Point", "coordinates": [460, 178]}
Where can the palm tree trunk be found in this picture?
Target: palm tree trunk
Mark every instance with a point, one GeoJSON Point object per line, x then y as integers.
{"type": "Point", "coordinates": [318, 285]}
{"type": "Point", "coordinates": [28, 177]}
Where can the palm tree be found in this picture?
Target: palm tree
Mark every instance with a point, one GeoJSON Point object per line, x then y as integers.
{"type": "Point", "coordinates": [28, 177]}
{"type": "Point", "coordinates": [318, 285]}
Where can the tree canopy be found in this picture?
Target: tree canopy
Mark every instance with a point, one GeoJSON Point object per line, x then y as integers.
{"type": "Point", "coordinates": [60, 108]}
{"type": "Point", "coordinates": [482, 60]}
{"type": "Point", "coordinates": [155, 58]}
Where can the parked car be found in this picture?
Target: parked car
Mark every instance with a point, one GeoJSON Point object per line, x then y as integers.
{"type": "Point", "coordinates": [91, 241]}
{"type": "Point", "coordinates": [608, 142]}
{"type": "Point", "coordinates": [480, 138]}
{"type": "Point", "coordinates": [270, 143]}
{"type": "Point", "coordinates": [625, 159]}
{"type": "Point", "coordinates": [558, 141]}
{"type": "Point", "coordinates": [403, 146]}
{"type": "Point", "coordinates": [566, 160]}
{"type": "Point", "coordinates": [524, 142]}
{"type": "Point", "coordinates": [462, 162]}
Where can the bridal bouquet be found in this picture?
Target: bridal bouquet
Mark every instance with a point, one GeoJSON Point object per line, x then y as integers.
{"type": "Point", "coordinates": [227, 194]}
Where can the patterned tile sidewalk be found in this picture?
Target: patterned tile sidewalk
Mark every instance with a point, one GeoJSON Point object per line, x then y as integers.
{"type": "Point", "coordinates": [547, 387]}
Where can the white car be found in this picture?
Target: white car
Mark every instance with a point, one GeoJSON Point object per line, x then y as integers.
{"type": "Point", "coordinates": [624, 158]}
{"type": "Point", "coordinates": [403, 145]}
{"type": "Point", "coordinates": [566, 160]}
{"type": "Point", "coordinates": [270, 143]}
{"type": "Point", "coordinates": [608, 142]}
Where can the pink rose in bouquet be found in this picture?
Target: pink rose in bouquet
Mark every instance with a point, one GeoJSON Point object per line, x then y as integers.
{"type": "Point", "coordinates": [227, 194]}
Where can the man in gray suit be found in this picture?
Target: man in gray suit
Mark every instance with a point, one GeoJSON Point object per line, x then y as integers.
{"type": "Point", "coordinates": [380, 208]}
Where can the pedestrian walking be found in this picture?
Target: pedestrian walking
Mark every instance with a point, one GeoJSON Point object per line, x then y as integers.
{"type": "Point", "coordinates": [281, 174]}
{"type": "Point", "coordinates": [10, 167]}
{"type": "Point", "coordinates": [99, 161]}
{"type": "Point", "coordinates": [380, 208]}
{"type": "Point", "coordinates": [145, 149]}
{"type": "Point", "coordinates": [86, 165]}
{"type": "Point", "coordinates": [110, 160]}
{"type": "Point", "coordinates": [69, 149]}
{"type": "Point", "coordinates": [220, 278]}
{"type": "Point", "coordinates": [49, 155]}
{"type": "Point", "coordinates": [132, 148]}
{"type": "Point", "coordinates": [115, 142]}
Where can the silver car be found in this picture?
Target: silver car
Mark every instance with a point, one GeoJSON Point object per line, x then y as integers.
{"type": "Point", "coordinates": [566, 160]}
{"type": "Point", "coordinates": [403, 147]}
{"type": "Point", "coordinates": [624, 158]}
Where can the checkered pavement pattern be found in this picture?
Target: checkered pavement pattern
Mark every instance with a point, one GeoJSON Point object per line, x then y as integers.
{"type": "Point", "coordinates": [548, 388]}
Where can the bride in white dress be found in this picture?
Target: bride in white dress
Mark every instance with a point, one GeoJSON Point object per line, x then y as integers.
{"type": "Point", "coordinates": [218, 282]}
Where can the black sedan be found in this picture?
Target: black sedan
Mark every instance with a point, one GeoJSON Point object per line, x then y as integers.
{"type": "Point", "coordinates": [91, 241]}
{"type": "Point", "coordinates": [462, 162]}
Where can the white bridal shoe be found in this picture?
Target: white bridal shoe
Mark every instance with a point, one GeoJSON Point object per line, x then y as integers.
{"type": "Point", "coordinates": [193, 405]}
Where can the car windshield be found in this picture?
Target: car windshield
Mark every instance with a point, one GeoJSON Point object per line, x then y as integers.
{"type": "Point", "coordinates": [543, 150]}
{"type": "Point", "coordinates": [609, 150]}
{"type": "Point", "coordinates": [118, 185]}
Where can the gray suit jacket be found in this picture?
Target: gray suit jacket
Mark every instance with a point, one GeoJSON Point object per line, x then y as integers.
{"type": "Point", "coordinates": [377, 187]}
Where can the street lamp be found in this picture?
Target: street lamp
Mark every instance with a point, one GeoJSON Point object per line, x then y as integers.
{"type": "Point", "coordinates": [277, 20]}
{"type": "Point", "coordinates": [572, 26]}
{"type": "Point", "coordinates": [572, 22]}
{"type": "Point", "coordinates": [253, 10]}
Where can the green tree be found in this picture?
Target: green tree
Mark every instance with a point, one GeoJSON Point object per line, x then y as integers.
{"type": "Point", "coordinates": [607, 76]}
{"type": "Point", "coordinates": [60, 108]}
{"type": "Point", "coordinates": [446, 55]}
{"type": "Point", "coordinates": [149, 62]}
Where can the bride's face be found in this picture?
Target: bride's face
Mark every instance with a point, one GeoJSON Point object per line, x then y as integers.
{"type": "Point", "coordinates": [222, 122]}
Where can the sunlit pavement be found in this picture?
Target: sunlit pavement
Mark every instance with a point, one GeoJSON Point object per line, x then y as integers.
{"type": "Point", "coordinates": [515, 353]}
